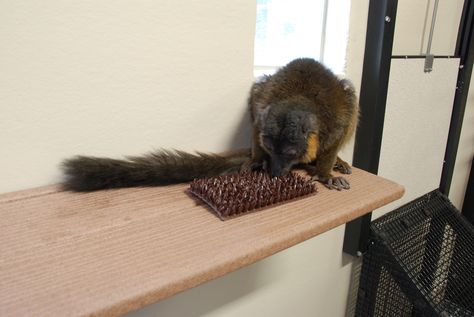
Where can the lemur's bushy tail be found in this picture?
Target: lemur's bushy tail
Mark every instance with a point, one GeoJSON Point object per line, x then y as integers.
{"type": "Point", "coordinates": [83, 173]}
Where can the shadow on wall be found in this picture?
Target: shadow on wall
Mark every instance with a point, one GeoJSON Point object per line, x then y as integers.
{"type": "Point", "coordinates": [242, 137]}
{"type": "Point", "coordinates": [208, 297]}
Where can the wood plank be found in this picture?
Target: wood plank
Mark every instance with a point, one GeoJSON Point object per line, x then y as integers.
{"type": "Point", "coordinates": [110, 252]}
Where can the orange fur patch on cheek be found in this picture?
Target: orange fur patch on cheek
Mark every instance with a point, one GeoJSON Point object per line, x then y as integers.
{"type": "Point", "coordinates": [311, 149]}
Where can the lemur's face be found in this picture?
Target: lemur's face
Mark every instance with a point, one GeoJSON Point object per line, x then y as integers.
{"type": "Point", "coordinates": [287, 139]}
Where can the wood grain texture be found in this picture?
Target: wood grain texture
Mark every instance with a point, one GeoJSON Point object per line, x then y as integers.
{"type": "Point", "coordinates": [110, 252]}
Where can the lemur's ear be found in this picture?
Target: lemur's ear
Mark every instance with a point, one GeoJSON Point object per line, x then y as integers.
{"type": "Point", "coordinates": [347, 85]}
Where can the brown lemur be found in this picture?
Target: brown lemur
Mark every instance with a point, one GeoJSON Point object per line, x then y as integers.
{"type": "Point", "coordinates": [301, 116]}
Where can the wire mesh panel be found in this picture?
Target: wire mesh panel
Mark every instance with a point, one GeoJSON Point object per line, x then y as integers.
{"type": "Point", "coordinates": [420, 262]}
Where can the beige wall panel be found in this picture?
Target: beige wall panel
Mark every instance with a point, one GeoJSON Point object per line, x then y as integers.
{"type": "Point", "coordinates": [416, 127]}
{"type": "Point", "coordinates": [409, 27]}
{"type": "Point", "coordinates": [446, 28]}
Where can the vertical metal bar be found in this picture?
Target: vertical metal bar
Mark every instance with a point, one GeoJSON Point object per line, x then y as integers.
{"type": "Point", "coordinates": [468, 204]}
{"type": "Point", "coordinates": [373, 96]}
{"type": "Point", "coordinates": [465, 51]}
{"type": "Point", "coordinates": [464, 29]}
{"type": "Point", "coordinates": [356, 235]}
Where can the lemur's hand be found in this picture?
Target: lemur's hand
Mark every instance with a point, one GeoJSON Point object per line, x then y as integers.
{"type": "Point", "coordinates": [331, 182]}
{"type": "Point", "coordinates": [342, 166]}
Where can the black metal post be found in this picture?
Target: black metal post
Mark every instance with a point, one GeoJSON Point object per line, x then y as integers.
{"type": "Point", "coordinates": [373, 96]}
{"type": "Point", "coordinates": [465, 51]}
{"type": "Point", "coordinates": [468, 205]}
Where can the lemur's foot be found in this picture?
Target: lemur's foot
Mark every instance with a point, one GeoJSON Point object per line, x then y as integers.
{"type": "Point", "coordinates": [250, 166]}
{"type": "Point", "coordinates": [338, 182]}
{"type": "Point", "coordinates": [342, 167]}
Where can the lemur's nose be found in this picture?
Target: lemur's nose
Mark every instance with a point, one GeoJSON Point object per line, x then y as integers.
{"type": "Point", "coordinates": [277, 167]}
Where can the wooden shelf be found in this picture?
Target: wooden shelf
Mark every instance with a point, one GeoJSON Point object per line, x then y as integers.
{"type": "Point", "coordinates": [110, 252]}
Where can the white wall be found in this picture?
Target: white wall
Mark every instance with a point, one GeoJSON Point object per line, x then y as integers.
{"type": "Point", "coordinates": [119, 78]}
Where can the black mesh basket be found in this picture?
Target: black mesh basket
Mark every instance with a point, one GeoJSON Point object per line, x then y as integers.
{"type": "Point", "coordinates": [420, 262]}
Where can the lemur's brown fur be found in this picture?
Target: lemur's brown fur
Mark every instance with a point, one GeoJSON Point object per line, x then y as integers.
{"type": "Point", "coordinates": [301, 116]}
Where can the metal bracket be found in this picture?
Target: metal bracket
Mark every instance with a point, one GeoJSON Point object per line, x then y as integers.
{"type": "Point", "coordinates": [429, 59]}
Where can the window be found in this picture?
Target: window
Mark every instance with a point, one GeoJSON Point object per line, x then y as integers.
{"type": "Point", "coordinates": [287, 29]}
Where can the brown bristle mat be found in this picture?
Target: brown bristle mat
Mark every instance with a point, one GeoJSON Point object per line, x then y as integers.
{"type": "Point", "coordinates": [238, 193]}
